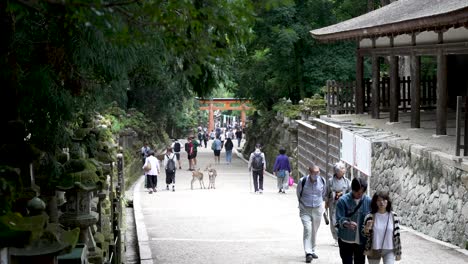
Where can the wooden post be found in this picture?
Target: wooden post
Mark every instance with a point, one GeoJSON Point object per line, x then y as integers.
{"type": "Point", "coordinates": [415, 91]}
{"type": "Point", "coordinates": [441, 122]}
{"type": "Point", "coordinates": [458, 126]}
{"type": "Point", "coordinates": [210, 118]}
{"type": "Point", "coordinates": [465, 135]}
{"type": "Point", "coordinates": [375, 87]}
{"type": "Point", "coordinates": [394, 89]}
{"type": "Point", "coordinates": [359, 93]}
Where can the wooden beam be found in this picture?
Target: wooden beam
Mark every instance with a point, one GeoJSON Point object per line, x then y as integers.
{"type": "Point", "coordinates": [359, 84]}
{"type": "Point", "coordinates": [415, 65]}
{"type": "Point", "coordinates": [394, 89]}
{"type": "Point", "coordinates": [441, 122]}
{"type": "Point", "coordinates": [375, 87]}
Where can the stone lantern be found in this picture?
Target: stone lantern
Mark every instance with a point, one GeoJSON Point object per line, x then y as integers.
{"type": "Point", "coordinates": [78, 214]}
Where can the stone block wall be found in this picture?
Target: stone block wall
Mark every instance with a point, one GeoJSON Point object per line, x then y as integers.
{"type": "Point", "coordinates": [428, 188]}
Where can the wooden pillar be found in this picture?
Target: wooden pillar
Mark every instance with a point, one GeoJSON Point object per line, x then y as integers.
{"type": "Point", "coordinates": [359, 94]}
{"type": "Point", "coordinates": [441, 122]}
{"type": "Point", "coordinates": [394, 89]}
{"type": "Point", "coordinates": [415, 91]}
{"type": "Point", "coordinates": [210, 118]}
{"type": "Point", "coordinates": [243, 116]}
{"type": "Point", "coordinates": [375, 87]}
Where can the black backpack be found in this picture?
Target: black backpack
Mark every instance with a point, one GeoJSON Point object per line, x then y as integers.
{"type": "Point", "coordinates": [257, 162]}
{"type": "Point", "coordinates": [170, 167]}
{"type": "Point", "coordinates": [177, 147]}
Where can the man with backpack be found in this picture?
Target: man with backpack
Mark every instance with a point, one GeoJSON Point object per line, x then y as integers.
{"type": "Point", "coordinates": [176, 149]}
{"type": "Point", "coordinates": [170, 167]}
{"type": "Point", "coordinates": [257, 164]}
{"type": "Point", "coordinates": [311, 193]}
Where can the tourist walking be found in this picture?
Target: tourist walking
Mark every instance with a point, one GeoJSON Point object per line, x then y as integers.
{"type": "Point", "coordinates": [239, 137]}
{"type": "Point", "coordinates": [176, 149]}
{"type": "Point", "coordinates": [336, 187]}
{"type": "Point", "coordinates": [282, 170]}
{"type": "Point", "coordinates": [216, 146]}
{"type": "Point", "coordinates": [189, 150]}
{"type": "Point", "coordinates": [196, 144]}
{"type": "Point", "coordinates": [144, 152]}
{"type": "Point", "coordinates": [382, 229]}
{"type": "Point", "coordinates": [170, 168]}
{"type": "Point", "coordinates": [152, 169]}
{"type": "Point", "coordinates": [351, 210]}
{"type": "Point", "coordinates": [257, 164]}
{"type": "Point", "coordinates": [311, 193]}
{"type": "Point", "coordinates": [228, 146]}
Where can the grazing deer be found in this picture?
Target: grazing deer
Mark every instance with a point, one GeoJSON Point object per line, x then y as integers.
{"type": "Point", "coordinates": [212, 176]}
{"type": "Point", "coordinates": [197, 175]}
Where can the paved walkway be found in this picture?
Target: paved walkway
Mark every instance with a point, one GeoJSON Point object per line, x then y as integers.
{"type": "Point", "coordinates": [231, 224]}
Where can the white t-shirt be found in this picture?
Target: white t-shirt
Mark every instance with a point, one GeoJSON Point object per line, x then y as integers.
{"type": "Point", "coordinates": [380, 223]}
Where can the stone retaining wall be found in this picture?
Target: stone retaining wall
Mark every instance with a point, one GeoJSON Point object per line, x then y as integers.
{"type": "Point", "coordinates": [428, 188]}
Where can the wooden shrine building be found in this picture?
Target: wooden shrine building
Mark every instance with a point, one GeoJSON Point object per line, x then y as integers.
{"type": "Point", "coordinates": [413, 28]}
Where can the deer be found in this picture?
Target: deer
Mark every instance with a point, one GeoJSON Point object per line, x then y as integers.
{"type": "Point", "coordinates": [197, 175]}
{"type": "Point", "coordinates": [212, 176]}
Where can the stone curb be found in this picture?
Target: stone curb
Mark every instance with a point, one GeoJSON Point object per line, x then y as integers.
{"type": "Point", "coordinates": [142, 234]}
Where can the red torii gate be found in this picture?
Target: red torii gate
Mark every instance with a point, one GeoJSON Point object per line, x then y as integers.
{"type": "Point", "coordinates": [226, 106]}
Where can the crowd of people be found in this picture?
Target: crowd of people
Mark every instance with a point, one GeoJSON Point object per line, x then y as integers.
{"type": "Point", "coordinates": [360, 226]}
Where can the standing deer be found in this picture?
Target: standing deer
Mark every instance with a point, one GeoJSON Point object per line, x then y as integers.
{"type": "Point", "coordinates": [197, 175]}
{"type": "Point", "coordinates": [212, 176]}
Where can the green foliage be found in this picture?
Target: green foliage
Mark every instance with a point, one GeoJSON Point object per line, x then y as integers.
{"type": "Point", "coordinates": [284, 61]}
{"type": "Point", "coordinates": [314, 105]}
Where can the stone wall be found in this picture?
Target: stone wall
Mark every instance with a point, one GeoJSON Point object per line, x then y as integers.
{"type": "Point", "coordinates": [428, 188]}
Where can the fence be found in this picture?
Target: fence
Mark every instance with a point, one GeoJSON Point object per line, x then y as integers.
{"type": "Point", "coordinates": [319, 143]}
{"type": "Point", "coordinates": [341, 95]}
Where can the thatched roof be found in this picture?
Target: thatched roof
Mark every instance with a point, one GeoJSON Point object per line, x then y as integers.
{"type": "Point", "coordinates": [402, 16]}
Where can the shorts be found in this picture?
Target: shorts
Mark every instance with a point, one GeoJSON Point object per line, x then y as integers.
{"type": "Point", "coordinates": [217, 153]}
{"type": "Point", "coordinates": [177, 154]}
{"type": "Point", "coordinates": [194, 154]}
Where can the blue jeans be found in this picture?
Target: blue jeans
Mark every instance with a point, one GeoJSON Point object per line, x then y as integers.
{"type": "Point", "coordinates": [228, 156]}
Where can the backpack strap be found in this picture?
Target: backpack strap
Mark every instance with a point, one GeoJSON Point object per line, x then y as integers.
{"type": "Point", "coordinates": [304, 181]}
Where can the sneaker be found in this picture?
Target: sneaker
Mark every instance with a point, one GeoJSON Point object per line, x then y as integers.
{"type": "Point", "coordinates": [280, 191]}
{"type": "Point", "coordinates": [173, 188]}
{"type": "Point", "coordinates": [260, 191]}
{"type": "Point", "coordinates": [309, 258]}
{"type": "Point", "coordinates": [256, 192]}
{"type": "Point", "coordinates": [154, 190]}
{"type": "Point", "coordinates": [150, 191]}
{"type": "Point", "coordinates": [283, 191]}
{"type": "Point", "coordinates": [167, 187]}
{"type": "Point", "coordinates": [314, 255]}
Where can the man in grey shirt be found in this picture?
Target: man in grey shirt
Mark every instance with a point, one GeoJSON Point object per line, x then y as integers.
{"type": "Point", "coordinates": [311, 193]}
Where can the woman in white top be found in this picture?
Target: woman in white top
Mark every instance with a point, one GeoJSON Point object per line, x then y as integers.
{"type": "Point", "coordinates": [381, 227]}
{"type": "Point", "coordinates": [152, 173]}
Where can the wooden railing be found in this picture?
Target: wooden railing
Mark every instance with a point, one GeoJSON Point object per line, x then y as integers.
{"type": "Point", "coordinates": [341, 95]}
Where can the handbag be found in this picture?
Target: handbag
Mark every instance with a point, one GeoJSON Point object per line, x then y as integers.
{"type": "Point", "coordinates": [291, 181]}
{"type": "Point", "coordinates": [377, 253]}
{"type": "Point", "coordinates": [147, 167]}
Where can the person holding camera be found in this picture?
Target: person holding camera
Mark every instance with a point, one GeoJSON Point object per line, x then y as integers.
{"type": "Point", "coordinates": [350, 212]}
{"type": "Point", "coordinates": [382, 229]}
{"type": "Point", "coordinates": [336, 187]}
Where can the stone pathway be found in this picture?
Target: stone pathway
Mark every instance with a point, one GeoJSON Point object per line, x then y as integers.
{"type": "Point", "coordinates": [231, 224]}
